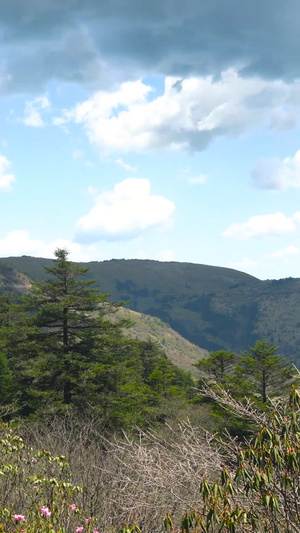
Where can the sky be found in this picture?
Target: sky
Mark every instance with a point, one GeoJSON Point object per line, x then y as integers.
{"type": "Point", "coordinates": [165, 130]}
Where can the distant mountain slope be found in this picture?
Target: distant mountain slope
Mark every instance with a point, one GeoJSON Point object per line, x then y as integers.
{"type": "Point", "coordinates": [180, 351]}
{"type": "Point", "coordinates": [12, 280]}
{"type": "Point", "coordinates": [187, 276]}
{"type": "Point", "coordinates": [213, 307]}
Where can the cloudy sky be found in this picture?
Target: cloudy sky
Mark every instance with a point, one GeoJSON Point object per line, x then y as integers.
{"type": "Point", "coordinates": [166, 130]}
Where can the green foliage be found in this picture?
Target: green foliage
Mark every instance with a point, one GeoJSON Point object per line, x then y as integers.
{"type": "Point", "coordinates": [256, 489]}
{"type": "Point", "coordinates": [167, 290]}
{"type": "Point", "coordinates": [215, 308]}
{"type": "Point", "coordinates": [58, 337]}
{"type": "Point", "coordinates": [36, 490]}
{"type": "Point", "coordinates": [262, 372]}
{"type": "Point", "coordinates": [261, 492]}
{"type": "Point", "coordinates": [6, 381]}
{"type": "Point", "coordinates": [218, 365]}
{"type": "Point", "coordinates": [258, 374]}
{"type": "Point", "coordinates": [64, 349]}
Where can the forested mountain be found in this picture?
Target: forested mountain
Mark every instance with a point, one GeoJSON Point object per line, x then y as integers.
{"type": "Point", "coordinates": [213, 307]}
{"type": "Point", "coordinates": [70, 369]}
{"type": "Point", "coordinates": [62, 347]}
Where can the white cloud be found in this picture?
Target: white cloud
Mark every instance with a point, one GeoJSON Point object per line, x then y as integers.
{"type": "Point", "coordinates": [60, 121]}
{"type": "Point", "coordinates": [243, 265]}
{"type": "Point", "coordinates": [33, 111]}
{"type": "Point", "coordinates": [272, 173]}
{"type": "Point", "coordinates": [165, 255]}
{"type": "Point", "coordinates": [296, 217]}
{"type": "Point", "coordinates": [122, 164]}
{"type": "Point", "coordinates": [125, 212]}
{"type": "Point", "coordinates": [189, 114]}
{"type": "Point", "coordinates": [19, 242]}
{"type": "Point", "coordinates": [5, 179]}
{"type": "Point", "coordinates": [261, 225]}
{"type": "Point", "coordinates": [288, 251]}
{"type": "Point", "coordinates": [141, 255]}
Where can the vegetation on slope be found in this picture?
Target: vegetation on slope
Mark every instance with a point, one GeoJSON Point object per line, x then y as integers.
{"type": "Point", "coordinates": [59, 348]}
{"type": "Point", "coordinates": [214, 308]}
{"type": "Point", "coordinates": [12, 280]}
{"type": "Point", "coordinates": [66, 478]}
{"type": "Point", "coordinates": [180, 351]}
{"type": "Point", "coordinates": [72, 369]}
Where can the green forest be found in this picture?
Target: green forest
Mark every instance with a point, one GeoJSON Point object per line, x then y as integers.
{"type": "Point", "coordinates": [102, 432]}
{"type": "Point", "coordinates": [215, 308]}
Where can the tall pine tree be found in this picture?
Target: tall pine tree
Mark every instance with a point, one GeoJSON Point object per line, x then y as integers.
{"type": "Point", "coordinates": [64, 349]}
{"type": "Point", "coordinates": [69, 335]}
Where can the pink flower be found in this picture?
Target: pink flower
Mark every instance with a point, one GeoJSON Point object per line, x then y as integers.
{"type": "Point", "coordinates": [95, 531]}
{"type": "Point", "coordinates": [79, 529]}
{"type": "Point", "coordinates": [18, 517]}
{"type": "Point", "coordinates": [73, 506]}
{"type": "Point", "coordinates": [88, 520]}
{"type": "Point", "coordinates": [45, 511]}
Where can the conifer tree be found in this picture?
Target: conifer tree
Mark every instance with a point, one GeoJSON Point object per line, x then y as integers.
{"type": "Point", "coordinates": [218, 365]}
{"type": "Point", "coordinates": [264, 372]}
{"type": "Point", "coordinates": [69, 334]}
{"type": "Point", "coordinates": [12, 337]}
{"type": "Point", "coordinates": [64, 349]}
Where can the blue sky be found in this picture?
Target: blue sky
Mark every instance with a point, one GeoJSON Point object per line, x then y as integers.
{"type": "Point", "coordinates": [166, 130]}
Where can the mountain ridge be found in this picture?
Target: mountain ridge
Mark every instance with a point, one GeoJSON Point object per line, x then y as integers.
{"type": "Point", "coordinates": [212, 307]}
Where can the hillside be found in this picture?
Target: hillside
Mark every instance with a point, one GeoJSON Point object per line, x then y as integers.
{"type": "Point", "coordinates": [179, 350]}
{"type": "Point", "coordinates": [213, 307]}
{"type": "Point", "coordinates": [12, 280]}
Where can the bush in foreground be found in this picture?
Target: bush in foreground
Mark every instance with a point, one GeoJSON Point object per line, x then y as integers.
{"type": "Point", "coordinates": [228, 486]}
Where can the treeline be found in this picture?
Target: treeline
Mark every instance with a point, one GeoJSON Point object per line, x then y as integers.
{"type": "Point", "coordinates": [259, 373]}
{"type": "Point", "coordinates": [60, 348]}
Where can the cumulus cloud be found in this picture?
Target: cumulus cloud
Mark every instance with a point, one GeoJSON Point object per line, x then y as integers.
{"type": "Point", "coordinates": [89, 42]}
{"type": "Point", "coordinates": [20, 242]}
{"type": "Point", "coordinates": [287, 251]}
{"type": "Point", "coordinates": [188, 115]}
{"type": "Point", "coordinates": [33, 110]}
{"type": "Point", "coordinates": [6, 179]}
{"type": "Point", "coordinates": [124, 213]}
{"type": "Point", "coordinates": [261, 225]}
{"type": "Point", "coordinates": [272, 173]}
